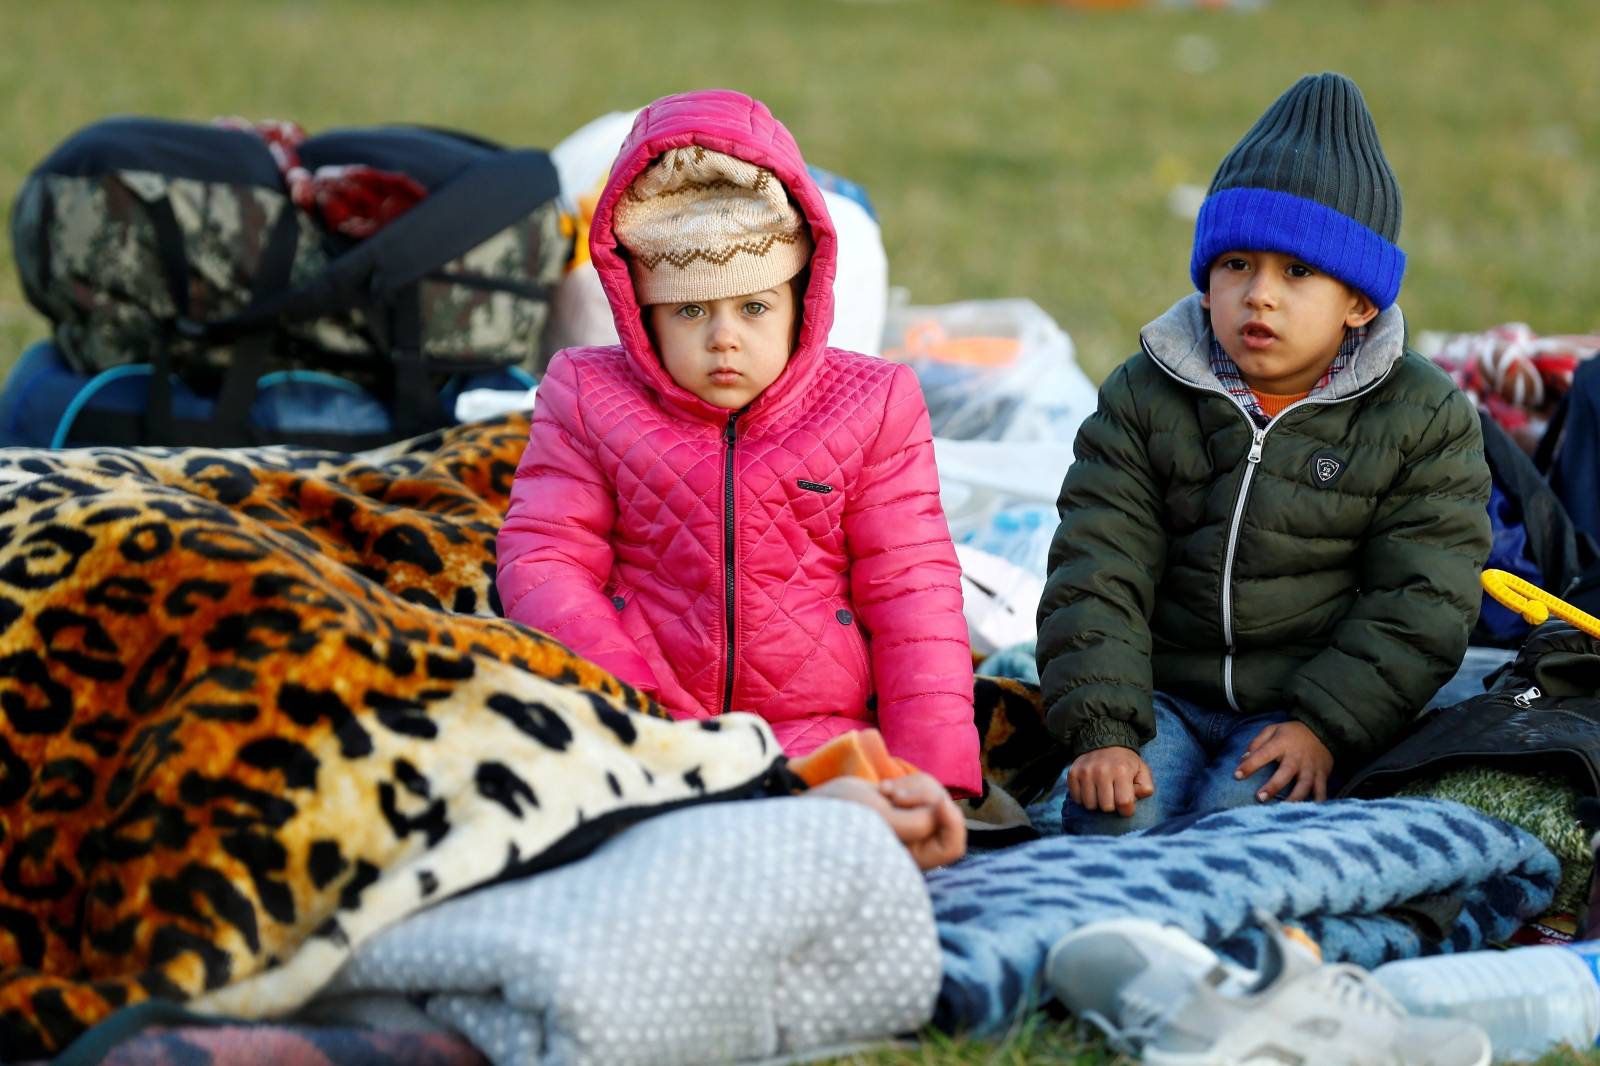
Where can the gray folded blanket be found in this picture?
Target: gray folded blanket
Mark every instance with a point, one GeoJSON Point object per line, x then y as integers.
{"type": "Point", "coordinates": [721, 933]}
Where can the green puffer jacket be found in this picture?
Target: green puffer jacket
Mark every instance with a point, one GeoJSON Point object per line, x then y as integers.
{"type": "Point", "coordinates": [1326, 566]}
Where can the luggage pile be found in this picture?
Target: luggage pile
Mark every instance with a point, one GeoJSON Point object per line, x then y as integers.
{"type": "Point", "coordinates": [230, 284]}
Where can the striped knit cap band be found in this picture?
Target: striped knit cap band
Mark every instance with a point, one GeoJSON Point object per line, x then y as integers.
{"type": "Point", "coordinates": [1309, 180]}
{"type": "Point", "coordinates": [701, 225]}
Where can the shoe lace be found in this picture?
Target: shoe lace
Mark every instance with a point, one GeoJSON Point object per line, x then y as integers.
{"type": "Point", "coordinates": [1142, 1017]}
{"type": "Point", "coordinates": [1128, 1039]}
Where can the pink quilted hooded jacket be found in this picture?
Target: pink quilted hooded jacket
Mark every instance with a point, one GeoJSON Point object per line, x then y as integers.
{"type": "Point", "coordinates": [790, 559]}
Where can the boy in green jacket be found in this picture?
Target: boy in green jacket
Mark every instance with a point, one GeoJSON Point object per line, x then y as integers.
{"type": "Point", "coordinates": [1271, 536]}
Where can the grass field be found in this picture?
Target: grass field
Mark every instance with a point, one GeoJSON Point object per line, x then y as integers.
{"type": "Point", "coordinates": [1011, 149]}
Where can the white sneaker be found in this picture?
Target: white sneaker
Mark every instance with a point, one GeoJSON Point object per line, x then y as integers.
{"type": "Point", "coordinates": [1126, 976]}
{"type": "Point", "coordinates": [1177, 1011]}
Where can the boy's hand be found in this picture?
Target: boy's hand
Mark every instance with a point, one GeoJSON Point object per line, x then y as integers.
{"type": "Point", "coordinates": [1110, 779]}
{"type": "Point", "coordinates": [1302, 759]}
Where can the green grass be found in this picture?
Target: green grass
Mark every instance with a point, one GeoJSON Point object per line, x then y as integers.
{"type": "Point", "coordinates": [1012, 149]}
{"type": "Point", "coordinates": [1038, 1044]}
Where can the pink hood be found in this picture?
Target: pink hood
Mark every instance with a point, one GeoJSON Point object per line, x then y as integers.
{"type": "Point", "coordinates": [735, 125]}
{"type": "Point", "coordinates": [791, 560]}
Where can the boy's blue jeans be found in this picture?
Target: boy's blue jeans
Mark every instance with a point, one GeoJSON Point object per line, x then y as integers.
{"type": "Point", "coordinates": [1192, 758]}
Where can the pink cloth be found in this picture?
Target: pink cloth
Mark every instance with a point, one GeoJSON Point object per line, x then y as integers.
{"type": "Point", "coordinates": [844, 584]}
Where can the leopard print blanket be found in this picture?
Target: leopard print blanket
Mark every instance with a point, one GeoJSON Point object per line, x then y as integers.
{"type": "Point", "coordinates": [256, 705]}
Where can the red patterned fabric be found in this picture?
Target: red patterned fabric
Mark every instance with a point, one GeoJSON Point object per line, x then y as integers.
{"type": "Point", "coordinates": [845, 584]}
{"type": "Point", "coordinates": [1514, 374]}
{"type": "Point", "coordinates": [354, 200]}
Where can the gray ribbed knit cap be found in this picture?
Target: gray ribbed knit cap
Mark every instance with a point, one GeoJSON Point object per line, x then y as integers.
{"type": "Point", "coordinates": [1316, 143]}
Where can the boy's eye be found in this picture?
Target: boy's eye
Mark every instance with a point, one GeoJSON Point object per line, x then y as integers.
{"type": "Point", "coordinates": [1235, 263]}
{"type": "Point", "coordinates": [754, 308]}
{"type": "Point", "coordinates": [1300, 270]}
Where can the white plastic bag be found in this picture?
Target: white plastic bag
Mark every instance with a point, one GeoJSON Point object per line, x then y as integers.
{"type": "Point", "coordinates": [584, 156]}
{"type": "Point", "coordinates": [999, 600]}
{"type": "Point", "coordinates": [861, 284]}
{"type": "Point", "coordinates": [999, 500]}
{"type": "Point", "coordinates": [475, 404]}
{"type": "Point", "coordinates": [997, 370]}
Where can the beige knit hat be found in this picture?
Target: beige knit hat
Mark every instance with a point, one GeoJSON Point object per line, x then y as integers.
{"type": "Point", "coordinates": [701, 225]}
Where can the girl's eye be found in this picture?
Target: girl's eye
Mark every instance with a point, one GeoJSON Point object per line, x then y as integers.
{"type": "Point", "coordinates": [754, 308]}
{"type": "Point", "coordinates": [691, 310]}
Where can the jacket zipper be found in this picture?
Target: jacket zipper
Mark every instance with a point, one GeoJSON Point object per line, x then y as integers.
{"type": "Point", "coordinates": [1257, 440]}
{"type": "Point", "coordinates": [729, 434]}
{"type": "Point", "coordinates": [1254, 459]}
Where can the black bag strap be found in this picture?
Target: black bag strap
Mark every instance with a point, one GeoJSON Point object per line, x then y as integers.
{"type": "Point", "coordinates": [446, 224]}
{"type": "Point", "coordinates": [415, 404]}
{"type": "Point", "coordinates": [232, 413]}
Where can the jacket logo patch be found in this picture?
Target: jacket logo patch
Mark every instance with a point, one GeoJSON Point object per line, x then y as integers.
{"type": "Point", "coordinates": [1327, 467]}
{"type": "Point", "coordinates": [812, 486]}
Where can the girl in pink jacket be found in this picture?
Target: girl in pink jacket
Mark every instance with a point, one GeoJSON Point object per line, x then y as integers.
{"type": "Point", "coordinates": [722, 510]}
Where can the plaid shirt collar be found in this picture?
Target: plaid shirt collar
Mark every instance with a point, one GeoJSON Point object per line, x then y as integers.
{"type": "Point", "coordinates": [1227, 372]}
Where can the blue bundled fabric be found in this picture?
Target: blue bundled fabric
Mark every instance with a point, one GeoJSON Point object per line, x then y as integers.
{"type": "Point", "coordinates": [45, 403]}
{"type": "Point", "coordinates": [1353, 873]}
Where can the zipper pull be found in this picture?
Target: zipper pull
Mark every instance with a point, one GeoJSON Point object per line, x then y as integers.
{"type": "Point", "coordinates": [728, 430]}
{"type": "Point", "coordinates": [1525, 699]}
{"type": "Point", "coordinates": [1255, 446]}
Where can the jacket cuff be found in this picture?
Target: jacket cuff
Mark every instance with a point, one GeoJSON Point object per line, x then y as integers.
{"type": "Point", "coordinates": [1106, 733]}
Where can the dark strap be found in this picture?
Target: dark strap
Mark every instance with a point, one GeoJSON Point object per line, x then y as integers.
{"type": "Point", "coordinates": [171, 254]}
{"type": "Point", "coordinates": [450, 222]}
{"type": "Point", "coordinates": [415, 404]}
{"type": "Point", "coordinates": [155, 424]}
{"type": "Point", "coordinates": [231, 417]}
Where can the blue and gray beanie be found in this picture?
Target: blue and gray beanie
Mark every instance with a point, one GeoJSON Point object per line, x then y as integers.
{"type": "Point", "coordinates": [1309, 180]}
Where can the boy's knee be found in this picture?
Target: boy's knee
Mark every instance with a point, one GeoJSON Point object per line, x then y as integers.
{"type": "Point", "coordinates": [1223, 793]}
{"type": "Point", "coordinates": [1076, 820]}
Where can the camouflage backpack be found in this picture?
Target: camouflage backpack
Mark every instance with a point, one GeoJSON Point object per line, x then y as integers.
{"type": "Point", "coordinates": [177, 245]}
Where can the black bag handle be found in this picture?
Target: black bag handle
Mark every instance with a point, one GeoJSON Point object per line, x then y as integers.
{"type": "Point", "coordinates": [446, 224]}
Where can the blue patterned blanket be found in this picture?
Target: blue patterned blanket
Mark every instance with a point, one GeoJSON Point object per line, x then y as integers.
{"type": "Point", "coordinates": [1346, 871]}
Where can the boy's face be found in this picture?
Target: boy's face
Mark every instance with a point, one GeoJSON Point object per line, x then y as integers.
{"type": "Point", "coordinates": [727, 351]}
{"type": "Point", "coordinates": [1279, 319]}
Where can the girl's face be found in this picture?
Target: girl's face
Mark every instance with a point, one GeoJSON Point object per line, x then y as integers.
{"type": "Point", "coordinates": [727, 351]}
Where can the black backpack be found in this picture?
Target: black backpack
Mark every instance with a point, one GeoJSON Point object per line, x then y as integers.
{"type": "Point", "coordinates": [176, 245]}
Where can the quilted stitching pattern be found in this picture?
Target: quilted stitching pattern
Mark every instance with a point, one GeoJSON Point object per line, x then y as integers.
{"type": "Point", "coordinates": [839, 596]}
{"type": "Point", "coordinates": [797, 661]}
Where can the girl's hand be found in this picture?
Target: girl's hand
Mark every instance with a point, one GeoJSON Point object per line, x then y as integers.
{"type": "Point", "coordinates": [1302, 759]}
{"type": "Point", "coordinates": [934, 830]}
{"type": "Point", "coordinates": [917, 807]}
